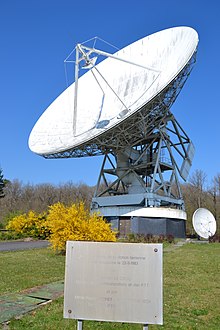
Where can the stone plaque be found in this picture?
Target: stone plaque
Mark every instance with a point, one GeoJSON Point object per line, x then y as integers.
{"type": "Point", "coordinates": [120, 282]}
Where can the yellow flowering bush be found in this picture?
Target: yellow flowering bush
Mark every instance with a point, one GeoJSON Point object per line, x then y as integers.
{"type": "Point", "coordinates": [30, 224]}
{"type": "Point", "coordinates": [76, 223]}
{"type": "Point", "coordinates": [63, 223]}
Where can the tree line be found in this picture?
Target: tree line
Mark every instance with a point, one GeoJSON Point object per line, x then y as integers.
{"type": "Point", "coordinates": [20, 198]}
{"type": "Point", "coordinates": [197, 192]}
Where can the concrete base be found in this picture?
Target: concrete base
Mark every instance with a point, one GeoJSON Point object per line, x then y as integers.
{"type": "Point", "coordinates": [159, 226]}
{"type": "Point", "coordinates": [148, 220]}
{"type": "Point", "coordinates": [148, 225]}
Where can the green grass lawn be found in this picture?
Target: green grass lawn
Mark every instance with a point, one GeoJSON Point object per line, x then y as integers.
{"type": "Point", "coordinates": [25, 269]}
{"type": "Point", "coordinates": [191, 289]}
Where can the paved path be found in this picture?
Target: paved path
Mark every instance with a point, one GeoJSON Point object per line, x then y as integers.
{"type": "Point", "coordinates": [17, 304]}
{"type": "Point", "coordinates": [22, 245]}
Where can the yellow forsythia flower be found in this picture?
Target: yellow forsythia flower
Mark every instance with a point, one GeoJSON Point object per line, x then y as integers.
{"type": "Point", "coordinates": [30, 224]}
{"type": "Point", "coordinates": [76, 223]}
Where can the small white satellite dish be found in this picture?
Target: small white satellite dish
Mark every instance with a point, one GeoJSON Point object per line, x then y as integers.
{"type": "Point", "coordinates": [204, 223]}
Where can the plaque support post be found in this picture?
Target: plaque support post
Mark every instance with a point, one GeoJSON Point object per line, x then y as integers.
{"type": "Point", "coordinates": [145, 327]}
{"type": "Point", "coordinates": [79, 325]}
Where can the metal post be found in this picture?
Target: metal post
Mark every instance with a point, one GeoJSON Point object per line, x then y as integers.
{"type": "Point", "coordinates": [79, 325]}
{"type": "Point", "coordinates": [76, 90]}
{"type": "Point", "coordinates": [145, 327]}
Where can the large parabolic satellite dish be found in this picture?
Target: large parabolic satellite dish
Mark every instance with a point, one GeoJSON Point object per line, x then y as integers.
{"type": "Point", "coordinates": [120, 108]}
{"type": "Point", "coordinates": [100, 109]}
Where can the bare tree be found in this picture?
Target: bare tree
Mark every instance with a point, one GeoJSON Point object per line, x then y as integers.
{"type": "Point", "coordinates": [195, 196]}
{"type": "Point", "coordinates": [197, 182]}
{"type": "Point", "coordinates": [214, 192]}
{"type": "Point", "coordinates": [21, 198]}
{"type": "Point", "coordinates": [2, 184]}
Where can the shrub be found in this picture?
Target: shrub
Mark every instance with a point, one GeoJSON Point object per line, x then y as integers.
{"type": "Point", "coordinates": [214, 239]}
{"type": "Point", "coordinates": [9, 235]}
{"type": "Point", "coordinates": [77, 224]}
{"type": "Point", "coordinates": [170, 238]}
{"type": "Point", "coordinates": [149, 238]}
{"type": "Point", "coordinates": [30, 224]}
{"type": "Point", "coordinates": [6, 218]}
